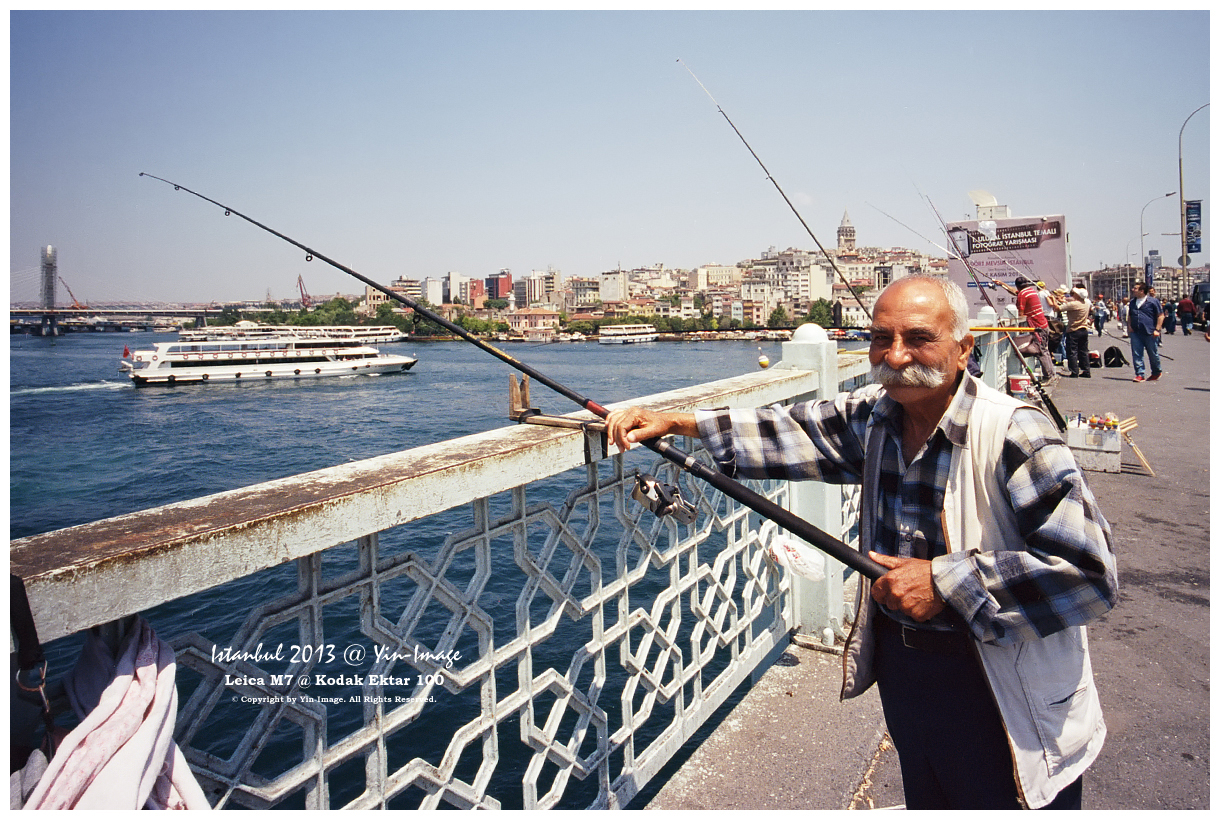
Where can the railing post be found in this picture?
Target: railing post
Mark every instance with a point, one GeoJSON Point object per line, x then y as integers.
{"type": "Point", "coordinates": [990, 359]}
{"type": "Point", "coordinates": [817, 606]}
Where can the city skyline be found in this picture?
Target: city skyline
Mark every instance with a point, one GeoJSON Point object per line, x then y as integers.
{"type": "Point", "coordinates": [416, 143]}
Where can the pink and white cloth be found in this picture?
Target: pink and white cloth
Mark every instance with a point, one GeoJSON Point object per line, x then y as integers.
{"type": "Point", "coordinates": [122, 755]}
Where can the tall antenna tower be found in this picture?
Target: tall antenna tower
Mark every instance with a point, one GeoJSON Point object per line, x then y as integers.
{"type": "Point", "coordinates": [49, 275]}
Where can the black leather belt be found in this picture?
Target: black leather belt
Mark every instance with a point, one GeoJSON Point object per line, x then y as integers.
{"type": "Point", "coordinates": [941, 642]}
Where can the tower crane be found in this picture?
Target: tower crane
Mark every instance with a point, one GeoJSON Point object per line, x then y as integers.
{"type": "Point", "coordinates": [75, 304]}
{"type": "Point", "coordinates": [306, 302]}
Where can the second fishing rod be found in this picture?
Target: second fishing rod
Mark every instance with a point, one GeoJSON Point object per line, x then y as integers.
{"type": "Point", "coordinates": [760, 504]}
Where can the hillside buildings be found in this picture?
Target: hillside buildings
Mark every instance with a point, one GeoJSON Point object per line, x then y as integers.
{"type": "Point", "coordinates": [784, 285]}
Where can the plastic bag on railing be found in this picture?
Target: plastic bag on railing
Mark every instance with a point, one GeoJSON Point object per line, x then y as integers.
{"type": "Point", "coordinates": [800, 558]}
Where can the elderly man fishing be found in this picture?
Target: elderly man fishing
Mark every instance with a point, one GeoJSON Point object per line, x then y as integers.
{"type": "Point", "coordinates": [996, 549]}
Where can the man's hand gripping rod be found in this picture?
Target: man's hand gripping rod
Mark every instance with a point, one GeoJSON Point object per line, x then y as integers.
{"type": "Point", "coordinates": [739, 492]}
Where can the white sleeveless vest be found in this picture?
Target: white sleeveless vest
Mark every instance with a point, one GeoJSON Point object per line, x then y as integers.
{"type": "Point", "coordinates": [1044, 688]}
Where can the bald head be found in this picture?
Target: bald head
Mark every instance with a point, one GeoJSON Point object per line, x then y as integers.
{"type": "Point", "coordinates": [921, 286]}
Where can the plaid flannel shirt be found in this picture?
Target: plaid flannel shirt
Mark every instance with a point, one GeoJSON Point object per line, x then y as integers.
{"type": "Point", "coordinates": [1067, 575]}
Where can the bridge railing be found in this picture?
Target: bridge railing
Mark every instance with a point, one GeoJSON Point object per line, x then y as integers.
{"type": "Point", "coordinates": [488, 622]}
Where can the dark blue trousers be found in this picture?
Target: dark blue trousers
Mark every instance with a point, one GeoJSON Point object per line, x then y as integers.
{"type": "Point", "coordinates": [946, 729]}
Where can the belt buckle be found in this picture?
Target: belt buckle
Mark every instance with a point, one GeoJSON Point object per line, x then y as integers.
{"type": "Point", "coordinates": [906, 629]}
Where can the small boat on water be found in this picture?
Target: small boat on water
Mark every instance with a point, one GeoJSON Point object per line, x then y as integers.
{"type": "Point", "coordinates": [626, 334]}
{"type": "Point", "coordinates": [349, 334]}
{"type": "Point", "coordinates": [259, 359]}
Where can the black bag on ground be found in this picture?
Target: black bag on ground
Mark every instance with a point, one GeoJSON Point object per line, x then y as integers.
{"type": "Point", "coordinates": [1114, 357]}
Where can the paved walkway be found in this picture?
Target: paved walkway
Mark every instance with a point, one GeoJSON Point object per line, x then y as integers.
{"type": "Point", "coordinates": [791, 744]}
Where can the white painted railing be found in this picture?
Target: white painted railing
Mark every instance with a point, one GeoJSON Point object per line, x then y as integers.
{"type": "Point", "coordinates": [488, 621]}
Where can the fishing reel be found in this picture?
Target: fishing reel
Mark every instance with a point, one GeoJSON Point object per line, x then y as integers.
{"type": "Point", "coordinates": [663, 499]}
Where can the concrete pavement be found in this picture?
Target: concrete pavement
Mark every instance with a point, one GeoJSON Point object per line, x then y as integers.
{"type": "Point", "coordinates": [790, 744]}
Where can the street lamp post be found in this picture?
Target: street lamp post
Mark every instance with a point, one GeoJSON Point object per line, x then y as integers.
{"type": "Point", "coordinates": [1127, 268]}
{"type": "Point", "coordinates": [1143, 260]}
{"type": "Point", "coordinates": [1182, 196]}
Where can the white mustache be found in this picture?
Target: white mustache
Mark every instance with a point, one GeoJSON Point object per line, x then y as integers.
{"type": "Point", "coordinates": [913, 375]}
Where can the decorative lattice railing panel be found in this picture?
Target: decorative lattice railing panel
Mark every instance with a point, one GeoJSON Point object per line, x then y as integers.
{"type": "Point", "coordinates": [537, 655]}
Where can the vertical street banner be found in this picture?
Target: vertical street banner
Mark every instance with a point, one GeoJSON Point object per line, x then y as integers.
{"type": "Point", "coordinates": [1003, 249]}
{"type": "Point", "coordinates": [1194, 226]}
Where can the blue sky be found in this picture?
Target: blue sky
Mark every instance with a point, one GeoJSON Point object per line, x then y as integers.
{"type": "Point", "coordinates": [416, 143]}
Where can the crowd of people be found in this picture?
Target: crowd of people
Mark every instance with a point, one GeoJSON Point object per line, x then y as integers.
{"type": "Point", "coordinates": [1061, 320]}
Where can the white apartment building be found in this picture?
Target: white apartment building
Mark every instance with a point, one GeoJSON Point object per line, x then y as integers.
{"type": "Point", "coordinates": [433, 291]}
{"type": "Point", "coordinates": [706, 277]}
{"type": "Point", "coordinates": [453, 282]}
{"type": "Point", "coordinates": [613, 286]}
{"type": "Point", "coordinates": [586, 290]}
{"type": "Point", "coordinates": [853, 314]}
{"type": "Point", "coordinates": [794, 272]}
{"type": "Point", "coordinates": [763, 295]}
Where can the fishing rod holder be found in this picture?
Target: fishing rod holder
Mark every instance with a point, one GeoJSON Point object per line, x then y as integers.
{"type": "Point", "coordinates": [597, 447]}
{"type": "Point", "coordinates": [519, 410]}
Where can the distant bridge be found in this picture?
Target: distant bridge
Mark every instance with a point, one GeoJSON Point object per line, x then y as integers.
{"type": "Point", "coordinates": [53, 321]}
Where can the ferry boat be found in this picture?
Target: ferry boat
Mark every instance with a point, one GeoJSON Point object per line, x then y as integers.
{"type": "Point", "coordinates": [626, 334]}
{"type": "Point", "coordinates": [238, 360]}
{"type": "Point", "coordinates": [348, 334]}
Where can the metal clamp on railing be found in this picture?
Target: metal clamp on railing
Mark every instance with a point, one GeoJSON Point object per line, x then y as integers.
{"type": "Point", "coordinates": [663, 499]}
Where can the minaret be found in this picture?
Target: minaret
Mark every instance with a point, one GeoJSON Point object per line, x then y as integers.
{"type": "Point", "coordinates": [847, 236]}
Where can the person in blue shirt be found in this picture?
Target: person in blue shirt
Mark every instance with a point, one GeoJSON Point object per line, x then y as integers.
{"type": "Point", "coordinates": [1144, 320]}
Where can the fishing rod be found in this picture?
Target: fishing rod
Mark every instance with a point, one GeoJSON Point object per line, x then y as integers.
{"type": "Point", "coordinates": [739, 492]}
{"type": "Point", "coordinates": [792, 207]}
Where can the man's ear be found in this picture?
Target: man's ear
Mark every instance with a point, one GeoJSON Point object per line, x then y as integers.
{"type": "Point", "coordinates": [967, 347]}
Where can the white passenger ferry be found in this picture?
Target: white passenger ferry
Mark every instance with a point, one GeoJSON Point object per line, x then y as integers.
{"type": "Point", "coordinates": [625, 334]}
{"type": "Point", "coordinates": [349, 334]}
{"type": "Point", "coordinates": [244, 360]}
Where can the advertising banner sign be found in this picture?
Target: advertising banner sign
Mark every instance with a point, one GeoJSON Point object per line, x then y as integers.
{"type": "Point", "coordinates": [1194, 226]}
{"type": "Point", "coordinates": [1003, 249]}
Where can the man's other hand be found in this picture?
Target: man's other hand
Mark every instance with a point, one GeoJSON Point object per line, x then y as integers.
{"type": "Point", "coordinates": [907, 587]}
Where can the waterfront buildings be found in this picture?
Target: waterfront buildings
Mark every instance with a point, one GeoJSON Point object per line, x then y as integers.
{"type": "Point", "coordinates": [792, 283]}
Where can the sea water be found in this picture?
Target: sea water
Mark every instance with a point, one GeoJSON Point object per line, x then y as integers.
{"type": "Point", "coordinates": [85, 444]}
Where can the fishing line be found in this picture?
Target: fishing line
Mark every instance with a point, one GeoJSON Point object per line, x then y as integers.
{"type": "Point", "coordinates": [739, 492]}
{"type": "Point", "coordinates": [792, 207]}
{"type": "Point", "coordinates": [941, 247]}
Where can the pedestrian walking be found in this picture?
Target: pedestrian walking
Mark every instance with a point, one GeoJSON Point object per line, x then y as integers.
{"type": "Point", "coordinates": [976, 640]}
{"type": "Point", "coordinates": [1186, 315]}
{"type": "Point", "coordinates": [1100, 314]}
{"type": "Point", "coordinates": [1123, 317]}
{"type": "Point", "coordinates": [1145, 320]}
